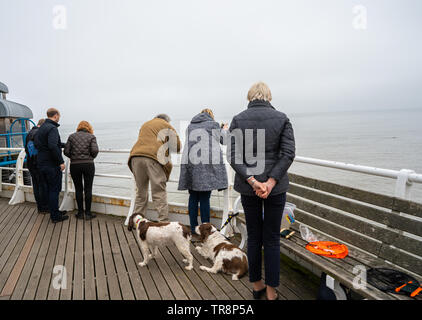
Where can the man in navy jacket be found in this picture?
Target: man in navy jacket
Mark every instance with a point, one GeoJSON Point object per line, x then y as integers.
{"type": "Point", "coordinates": [50, 161]}
{"type": "Point", "coordinates": [38, 184]}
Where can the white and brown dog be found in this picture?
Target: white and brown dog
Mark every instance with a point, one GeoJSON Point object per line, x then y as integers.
{"type": "Point", "coordinates": [151, 235]}
{"type": "Point", "coordinates": [226, 256]}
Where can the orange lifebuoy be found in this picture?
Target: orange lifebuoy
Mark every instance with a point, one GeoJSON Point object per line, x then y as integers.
{"type": "Point", "coordinates": [328, 249]}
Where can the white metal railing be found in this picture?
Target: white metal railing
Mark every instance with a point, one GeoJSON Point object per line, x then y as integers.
{"type": "Point", "coordinates": [404, 180]}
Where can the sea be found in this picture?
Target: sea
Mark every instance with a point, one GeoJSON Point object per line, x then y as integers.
{"type": "Point", "coordinates": [389, 139]}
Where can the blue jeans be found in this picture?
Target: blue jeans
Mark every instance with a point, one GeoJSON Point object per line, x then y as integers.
{"type": "Point", "coordinates": [203, 198]}
{"type": "Point", "coordinates": [264, 232]}
{"type": "Point", "coordinates": [53, 179]}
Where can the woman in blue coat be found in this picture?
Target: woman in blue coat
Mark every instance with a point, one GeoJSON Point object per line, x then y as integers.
{"type": "Point", "coordinates": [202, 169]}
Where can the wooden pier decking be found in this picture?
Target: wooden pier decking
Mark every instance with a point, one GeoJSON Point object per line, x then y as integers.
{"type": "Point", "coordinates": [101, 262]}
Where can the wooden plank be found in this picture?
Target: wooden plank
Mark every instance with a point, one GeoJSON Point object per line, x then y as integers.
{"type": "Point", "coordinates": [113, 283]}
{"type": "Point", "coordinates": [135, 279]}
{"type": "Point", "coordinates": [148, 282]}
{"type": "Point", "coordinates": [14, 221]}
{"type": "Point", "coordinates": [78, 269]}
{"type": "Point", "coordinates": [6, 216]}
{"type": "Point", "coordinates": [344, 191]}
{"type": "Point", "coordinates": [23, 280]}
{"type": "Point", "coordinates": [297, 194]}
{"type": "Point", "coordinates": [228, 289]}
{"type": "Point", "coordinates": [172, 282]}
{"type": "Point", "coordinates": [356, 257]}
{"type": "Point", "coordinates": [386, 235]}
{"type": "Point", "coordinates": [125, 286]}
{"type": "Point", "coordinates": [3, 209]}
{"type": "Point", "coordinates": [339, 232]}
{"type": "Point", "coordinates": [23, 256]}
{"type": "Point", "coordinates": [13, 236]}
{"type": "Point", "coordinates": [204, 292]}
{"type": "Point", "coordinates": [161, 284]}
{"type": "Point", "coordinates": [100, 278]}
{"type": "Point", "coordinates": [380, 200]}
{"type": "Point", "coordinates": [47, 272]}
{"type": "Point", "coordinates": [407, 261]}
{"type": "Point", "coordinates": [32, 286]}
{"type": "Point", "coordinates": [409, 207]}
{"type": "Point", "coordinates": [89, 277]}
{"type": "Point", "coordinates": [294, 283]}
{"type": "Point", "coordinates": [54, 294]}
{"type": "Point", "coordinates": [184, 278]}
{"type": "Point", "coordinates": [333, 270]}
{"type": "Point", "coordinates": [384, 251]}
{"type": "Point", "coordinates": [15, 247]}
{"type": "Point", "coordinates": [66, 294]}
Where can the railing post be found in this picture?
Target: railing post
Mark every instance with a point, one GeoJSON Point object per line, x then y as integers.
{"type": "Point", "coordinates": [403, 184]}
{"type": "Point", "coordinates": [228, 230]}
{"type": "Point", "coordinates": [68, 204]}
{"type": "Point", "coordinates": [19, 194]}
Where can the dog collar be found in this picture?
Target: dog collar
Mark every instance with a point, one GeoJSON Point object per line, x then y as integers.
{"type": "Point", "coordinates": [138, 220]}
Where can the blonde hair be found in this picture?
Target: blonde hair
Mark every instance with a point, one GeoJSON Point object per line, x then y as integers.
{"type": "Point", "coordinates": [259, 91]}
{"type": "Point", "coordinates": [209, 111]}
{"type": "Point", "coordinates": [85, 125]}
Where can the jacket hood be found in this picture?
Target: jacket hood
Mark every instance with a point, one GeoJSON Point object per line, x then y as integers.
{"type": "Point", "coordinates": [201, 117]}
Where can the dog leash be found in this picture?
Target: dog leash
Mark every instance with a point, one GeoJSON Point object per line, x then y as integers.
{"type": "Point", "coordinates": [230, 217]}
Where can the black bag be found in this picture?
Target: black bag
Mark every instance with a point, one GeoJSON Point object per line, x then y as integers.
{"type": "Point", "coordinates": [387, 280]}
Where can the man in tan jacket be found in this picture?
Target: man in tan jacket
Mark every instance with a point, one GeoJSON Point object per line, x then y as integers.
{"type": "Point", "coordinates": [149, 161]}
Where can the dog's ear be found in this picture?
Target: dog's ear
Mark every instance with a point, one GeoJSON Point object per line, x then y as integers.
{"type": "Point", "coordinates": [130, 224]}
{"type": "Point", "coordinates": [205, 231]}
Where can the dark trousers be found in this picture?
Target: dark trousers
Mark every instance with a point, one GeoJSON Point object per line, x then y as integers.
{"type": "Point", "coordinates": [264, 231]}
{"type": "Point", "coordinates": [203, 198]}
{"type": "Point", "coordinates": [39, 187]}
{"type": "Point", "coordinates": [53, 181]}
{"type": "Point", "coordinates": [83, 178]}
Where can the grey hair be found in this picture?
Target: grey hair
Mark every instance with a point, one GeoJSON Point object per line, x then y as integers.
{"type": "Point", "coordinates": [163, 116]}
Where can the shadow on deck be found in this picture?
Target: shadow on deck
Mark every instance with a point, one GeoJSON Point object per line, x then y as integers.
{"type": "Point", "coordinates": [101, 262]}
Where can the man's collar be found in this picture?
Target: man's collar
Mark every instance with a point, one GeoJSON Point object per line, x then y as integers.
{"type": "Point", "coordinates": [53, 122]}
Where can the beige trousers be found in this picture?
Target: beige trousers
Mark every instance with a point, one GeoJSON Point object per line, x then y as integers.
{"type": "Point", "coordinates": [148, 170]}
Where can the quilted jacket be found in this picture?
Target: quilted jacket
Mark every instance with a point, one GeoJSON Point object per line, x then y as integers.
{"type": "Point", "coordinates": [279, 150]}
{"type": "Point", "coordinates": [81, 147]}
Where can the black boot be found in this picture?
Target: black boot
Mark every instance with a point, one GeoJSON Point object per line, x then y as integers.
{"type": "Point", "coordinates": [89, 215]}
{"type": "Point", "coordinates": [80, 215]}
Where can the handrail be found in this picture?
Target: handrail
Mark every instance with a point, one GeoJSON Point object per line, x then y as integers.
{"type": "Point", "coordinates": [404, 179]}
{"type": "Point", "coordinates": [386, 173]}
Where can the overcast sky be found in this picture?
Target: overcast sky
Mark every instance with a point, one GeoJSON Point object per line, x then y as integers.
{"type": "Point", "coordinates": [130, 59]}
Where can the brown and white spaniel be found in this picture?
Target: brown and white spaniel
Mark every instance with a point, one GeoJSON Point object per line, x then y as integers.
{"type": "Point", "coordinates": [226, 256]}
{"type": "Point", "coordinates": [151, 235]}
